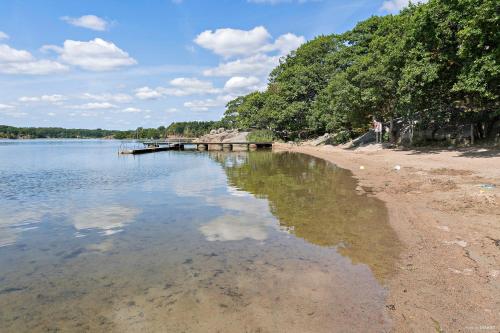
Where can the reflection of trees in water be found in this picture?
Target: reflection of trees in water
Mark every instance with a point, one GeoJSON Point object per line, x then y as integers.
{"type": "Point", "coordinates": [317, 201]}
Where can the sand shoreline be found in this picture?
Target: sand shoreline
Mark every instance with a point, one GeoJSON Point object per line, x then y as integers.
{"type": "Point", "coordinates": [448, 275]}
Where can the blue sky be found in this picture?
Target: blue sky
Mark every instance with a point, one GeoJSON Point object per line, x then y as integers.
{"type": "Point", "coordinates": [122, 64]}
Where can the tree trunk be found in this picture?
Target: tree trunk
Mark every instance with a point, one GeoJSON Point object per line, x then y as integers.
{"type": "Point", "coordinates": [471, 134]}
{"type": "Point", "coordinates": [391, 131]}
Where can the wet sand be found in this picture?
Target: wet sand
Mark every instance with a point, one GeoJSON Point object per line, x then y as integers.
{"type": "Point", "coordinates": [448, 275]}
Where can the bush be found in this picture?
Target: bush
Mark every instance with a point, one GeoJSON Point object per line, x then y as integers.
{"type": "Point", "coordinates": [261, 136]}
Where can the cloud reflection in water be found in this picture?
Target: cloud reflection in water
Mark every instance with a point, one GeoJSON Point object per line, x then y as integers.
{"type": "Point", "coordinates": [108, 219]}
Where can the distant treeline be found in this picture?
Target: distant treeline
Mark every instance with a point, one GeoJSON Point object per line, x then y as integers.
{"type": "Point", "coordinates": [11, 132]}
{"type": "Point", "coordinates": [186, 129]}
{"type": "Point", "coordinates": [193, 128]}
{"type": "Point", "coordinates": [433, 65]}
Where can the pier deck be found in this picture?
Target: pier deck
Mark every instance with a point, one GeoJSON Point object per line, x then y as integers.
{"type": "Point", "coordinates": [153, 146]}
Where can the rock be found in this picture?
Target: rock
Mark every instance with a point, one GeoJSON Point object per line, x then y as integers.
{"type": "Point", "coordinates": [221, 135]}
{"type": "Point", "coordinates": [324, 139]}
{"type": "Point", "coordinates": [368, 137]}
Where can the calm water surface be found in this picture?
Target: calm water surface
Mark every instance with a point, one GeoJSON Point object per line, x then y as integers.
{"type": "Point", "coordinates": [187, 242]}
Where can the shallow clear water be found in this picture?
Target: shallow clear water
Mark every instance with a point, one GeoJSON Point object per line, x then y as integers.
{"type": "Point", "coordinates": [186, 242]}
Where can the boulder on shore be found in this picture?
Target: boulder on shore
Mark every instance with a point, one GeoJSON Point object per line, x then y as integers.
{"type": "Point", "coordinates": [368, 137]}
{"type": "Point", "coordinates": [224, 136]}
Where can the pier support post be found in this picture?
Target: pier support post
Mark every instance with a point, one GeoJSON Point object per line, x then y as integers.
{"type": "Point", "coordinates": [227, 147]}
{"type": "Point", "coordinates": [215, 146]}
{"type": "Point", "coordinates": [240, 147]}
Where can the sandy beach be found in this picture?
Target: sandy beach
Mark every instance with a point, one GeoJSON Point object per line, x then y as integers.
{"type": "Point", "coordinates": [445, 208]}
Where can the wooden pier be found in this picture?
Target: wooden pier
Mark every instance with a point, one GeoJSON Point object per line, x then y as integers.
{"type": "Point", "coordinates": [180, 144]}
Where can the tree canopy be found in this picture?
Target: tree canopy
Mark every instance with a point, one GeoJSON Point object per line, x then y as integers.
{"type": "Point", "coordinates": [432, 64]}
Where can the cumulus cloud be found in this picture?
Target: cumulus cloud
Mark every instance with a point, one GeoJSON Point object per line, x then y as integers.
{"type": "Point", "coordinates": [229, 42]}
{"type": "Point", "coordinates": [107, 97]}
{"type": "Point", "coordinates": [178, 87]}
{"type": "Point", "coordinates": [13, 61]}
{"type": "Point", "coordinates": [94, 106]}
{"type": "Point", "coordinates": [87, 21]}
{"type": "Point", "coordinates": [259, 64]}
{"type": "Point", "coordinates": [3, 35]}
{"type": "Point", "coordinates": [255, 51]}
{"type": "Point", "coordinates": [94, 55]}
{"type": "Point", "coordinates": [241, 84]}
{"type": "Point", "coordinates": [190, 86]}
{"type": "Point", "coordinates": [10, 110]}
{"type": "Point", "coordinates": [234, 86]}
{"type": "Point", "coordinates": [275, 2]}
{"type": "Point", "coordinates": [131, 110]}
{"type": "Point", "coordinates": [7, 107]}
{"type": "Point", "coordinates": [233, 42]}
{"type": "Point", "coordinates": [394, 6]}
{"type": "Point", "coordinates": [209, 103]}
{"type": "Point", "coordinates": [56, 98]}
{"type": "Point", "coordinates": [285, 44]}
{"type": "Point", "coordinates": [149, 93]}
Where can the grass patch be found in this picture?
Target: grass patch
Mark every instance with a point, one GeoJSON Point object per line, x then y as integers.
{"type": "Point", "coordinates": [261, 136]}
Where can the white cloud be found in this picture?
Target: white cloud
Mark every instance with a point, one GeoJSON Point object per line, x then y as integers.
{"type": "Point", "coordinates": [7, 107]}
{"type": "Point", "coordinates": [39, 67]}
{"type": "Point", "coordinates": [178, 87]}
{"type": "Point", "coordinates": [94, 55]}
{"type": "Point", "coordinates": [259, 64]}
{"type": "Point", "coordinates": [9, 54]}
{"type": "Point", "coordinates": [149, 93]}
{"type": "Point", "coordinates": [51, 114]}
{"type": "Point", "coordinates": [87, 21]}
{"type": "Point", "coordinates": [94, 106]}
{"type": "Point", "coordinates": [56, 98]}
{"type": "Point", "coordinates": [275, 2]}
{"type": "Point", "coordinates": [53, 98]}
{"type": "Point", "coordinates": [285, 44]}
{"type": "Point", "coordinates": [106, 97]}
{"type": "Point", "coordinates": [210, 103]}
{"type": "Point", "coordinates": [3, 35]}
{"type": "Point", "coordinates": [10, 110]}
{"type": "Point", "coordinates": [13, 61]}
{"type": "Point", "coordinates": [233, 42]}
{"type": "Point", "coordinates": [229, 42]}
{"type": "Point", "coordinates": [131, 110]}
{"type": "Point", "coordinates": [260, 53]}
{"type": "Point", "coordinates": [190, 86]}
{"type": "Point", "coordinates": [240, 84]}
{"type": "Point", "coordinates": [394, 6]}
{"type": "Point", "coordinates": [25, 99]}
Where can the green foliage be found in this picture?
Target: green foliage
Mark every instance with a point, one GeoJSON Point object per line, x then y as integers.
{"type": "Point", "coordinates": [435, 64]}
{"type": "Point", "coordinates": [193, 128]}
{"type": "Point", "coordinates": [261, 136]}
{"type": "Point", "coordinates": [10, 132]}
{"type": "Point", "coordinates": [186, 129]}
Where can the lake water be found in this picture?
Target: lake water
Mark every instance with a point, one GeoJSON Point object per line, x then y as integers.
{"type": "Point", "coordinates": [187, 242]}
